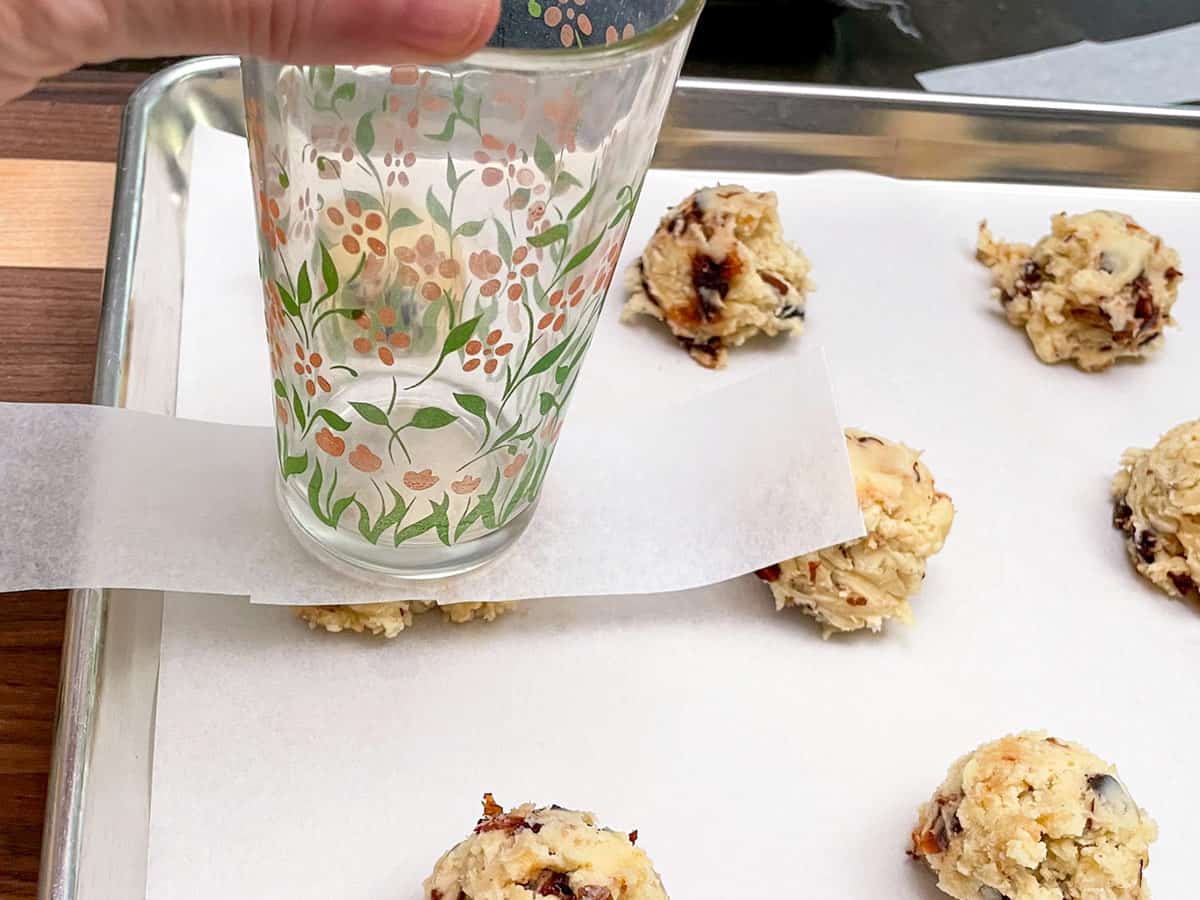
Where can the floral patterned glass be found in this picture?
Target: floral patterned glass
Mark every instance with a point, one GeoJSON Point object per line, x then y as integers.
{"type": "Point", "coordinates": [436, 243]}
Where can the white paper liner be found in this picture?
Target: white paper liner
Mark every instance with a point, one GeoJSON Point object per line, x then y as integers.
{"type": "Point", "coordinates": [753, 757]}
{"type": "Point", "coordinates": [1151, 69]}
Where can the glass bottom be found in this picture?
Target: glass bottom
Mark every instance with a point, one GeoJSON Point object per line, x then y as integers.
{"type": "Point", "coordinates": [391, 566]}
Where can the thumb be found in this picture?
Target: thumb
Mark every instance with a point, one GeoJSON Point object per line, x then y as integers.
{"type": "Point", "coordinates": [305, 31]}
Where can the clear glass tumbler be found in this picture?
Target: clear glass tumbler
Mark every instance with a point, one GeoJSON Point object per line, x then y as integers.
{"type": "Point", "coordinates": [436, 243]}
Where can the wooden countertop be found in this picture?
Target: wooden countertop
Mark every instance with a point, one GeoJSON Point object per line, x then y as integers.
{"type": "Point", "coordinates": [57, 151]}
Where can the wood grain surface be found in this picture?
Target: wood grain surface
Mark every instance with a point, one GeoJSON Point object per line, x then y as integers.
{"type": "Point", "coordinates": [57, 149]}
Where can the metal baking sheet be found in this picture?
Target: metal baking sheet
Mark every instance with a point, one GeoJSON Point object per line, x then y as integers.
{"type": "Point", "coordinates": [98, 806]}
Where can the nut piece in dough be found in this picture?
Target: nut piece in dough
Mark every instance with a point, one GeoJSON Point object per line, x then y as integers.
{"type": "Point", "coordinates": [859, 584]}
{"type": "Point", "coordinates": [718, 271]}
{"type": "Point", "coordinates": [548, 852]}
{"type": "Point", "coordinates": [1097, 288]}
{"type": "Point", "coordinates": [1156, 502]}
{"type": "Point", "coordinates": [389, 619]}
{"type": "Point", "coordinates": [1032, 817]}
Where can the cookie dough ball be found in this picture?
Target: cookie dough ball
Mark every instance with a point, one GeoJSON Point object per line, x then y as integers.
{"type": "Point", "coordinates": [861, 583]}
{"type": "Point", "coordinates": [1031, 817]}
{"type": "Point", "coordinates": [389, 619]}
{"type": "Point", "coordinates": [718, 271]}
{"type": "Point", "coordinates": [1156, 502]}
{"type": "Point", "coordinates": [1097, 288]}
{"type": "Point", "coordinates": [550, 852]}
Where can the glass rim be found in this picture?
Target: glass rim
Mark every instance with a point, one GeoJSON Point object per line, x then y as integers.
{"type": "Point", "coordinates": [525, 57]}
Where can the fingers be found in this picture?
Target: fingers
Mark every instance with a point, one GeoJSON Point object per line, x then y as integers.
{"type": "Point", "coordinates": [40, 38]}
{"type": "Point", "coordinates": [307, 31]}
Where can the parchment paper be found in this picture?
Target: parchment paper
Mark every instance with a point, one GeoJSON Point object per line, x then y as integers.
{"type": "Point", "coordinates": [754, 758]}
{"type": "Point", "coordinates": [1151, 69]}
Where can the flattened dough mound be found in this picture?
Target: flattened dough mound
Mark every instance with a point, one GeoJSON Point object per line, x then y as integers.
{"type": "Point", "coordinates": [549, 852]}
{"type": "Point", "coordinates": [389, 619]}
{"type": "Point", "coordinates": [1156, 502]}
{"type": "Point", "coordinates": [718, 271]}
{"type": "Point", "coordinates": [1031, 817]}
{"type": "Point", "coordinates": [1097, 288]}
{"type": "Point", "coordinates": [860, 584]}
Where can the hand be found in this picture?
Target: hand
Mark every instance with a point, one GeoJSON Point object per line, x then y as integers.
{"type": "Point", "coordinates": [40, 38]}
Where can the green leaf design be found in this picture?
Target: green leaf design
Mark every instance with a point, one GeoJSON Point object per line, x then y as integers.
{"type": "Point", "coordinates": [295, 465]}
{"type": "Point", "coordinates": [546, 403]}
{"type": "Point", "coordinates": [559, 232]}
{"type": "Point", "coordinates": [365, 200]}
{"type": "Point", "coordinates": [564, 182]}
{"type": "Point", "coordinates": [474, 404]}
{"type": "Point", "coordinates": [459, 335]}
{"type": "Point", "coordinates": [543, 157]}
{"type": "Point", "coordinates": [535, 9]}
{"type": "Point", "coordinates": [325, 76]}
{"type": "Point", "coordinates": [364, 135]}
{"type": "Point", "coordinates": [344, 92]}
{"type": "Point", "coordinates": [329, 272]}
{"type": "Point", "coordinates": [469, 229]}
{"type": "Point", "coordinates": [404, 218]}
{"type": "Point", "coordinates": [283, 180]}
{"type": "Point", "coordinates": [427, 333]}
{"type": "Point", "coordinates": [520, 198]}
{"type": "Point", "coordinates": [437, 212]}
{"type": "Point", "coordinates": [455, 341]}
{"type": "Point", "coordinates": [280, 390]}
{"type": "Point", "coordinates": [448, 131]}
{"type": "Point", "coordinates": [451, 175]}
{"type": "Point", "coordinates": [332, 419]}
{"type": "Point", "coordinates": [389, 519]}
{"type": "Point", "coordinates": [582, 256]}
{"type": "Point", "coordinates": [503, 242]}
{"type": "Point", "coordinates": [583, 202]}
{"type": "Point", "coordinates": [431, 417]}
{"type": "Point", "coordinates": [298, 409]}
{"type": "Point", "coordinates": [484, 509]}
{"type": "Point", "coordinates": [516, 426]}
{"type": "Point", "coordinates": [547, 360]}
{"type": "Point", "coordinates": [437, 519]}
{"type": "Point", "coordinates": [339, 509]}
{"type": "Point", "coordinates": [290, 306]}
{"type": "Point", "coordinates": [362, 264]}
{"type": "Point", "coordinates": [561, 373]}
{"type": "Point", "coordinates": [371, 413]}
{"type": "Point", "coordinates": [314, 490]}
{"type": "Point", "coordinates": [303, 284]}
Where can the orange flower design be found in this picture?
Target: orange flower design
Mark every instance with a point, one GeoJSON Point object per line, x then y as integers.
{"type": "Point", "coordinates": [356, 227]}
{"type": "Point", "coordinates": [420, 481]}
{"type": "Point", "coordinates": [572, 26]}
{"type": "Point", "coordinates": [488, 268]}
{"type": "Point", "coordinates": [486, 353]}
{"type": "Point", "coordinates": [396, 161]}
{"type": "Point", "coordinates": [551, 429]}
{"type": "Point", "coordinates": [364, 460]}
{"type": "Point", "coordinates": [281, 411]}
{"type": "Point", "coordinates": [382, 337]}
{"type": "Point", "coordinates": [309, 370]}
{"type": "Point", "coordinates": [514, 467]}
{"type": "Point", "coordinates": [425, 261]}
{"type": "Point", "coordinates": [564, 114]}
{"type": "Point", "coordinates": [271, 220]}
{"type": "Point", "coordinates": [330, 442]}
{"type": "Point", "coordinates": [422, 101]}
{"type": "Point", "coordinates": [611, 35]}
{"type": "Point", "coordinates": [466, 485]}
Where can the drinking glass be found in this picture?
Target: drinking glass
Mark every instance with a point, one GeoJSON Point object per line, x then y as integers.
{"type": "Point", "coordinates": [435, 246]}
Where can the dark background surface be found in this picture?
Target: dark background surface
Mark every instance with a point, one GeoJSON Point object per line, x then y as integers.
{"type": "Point", "coordinates": [821, 41]}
